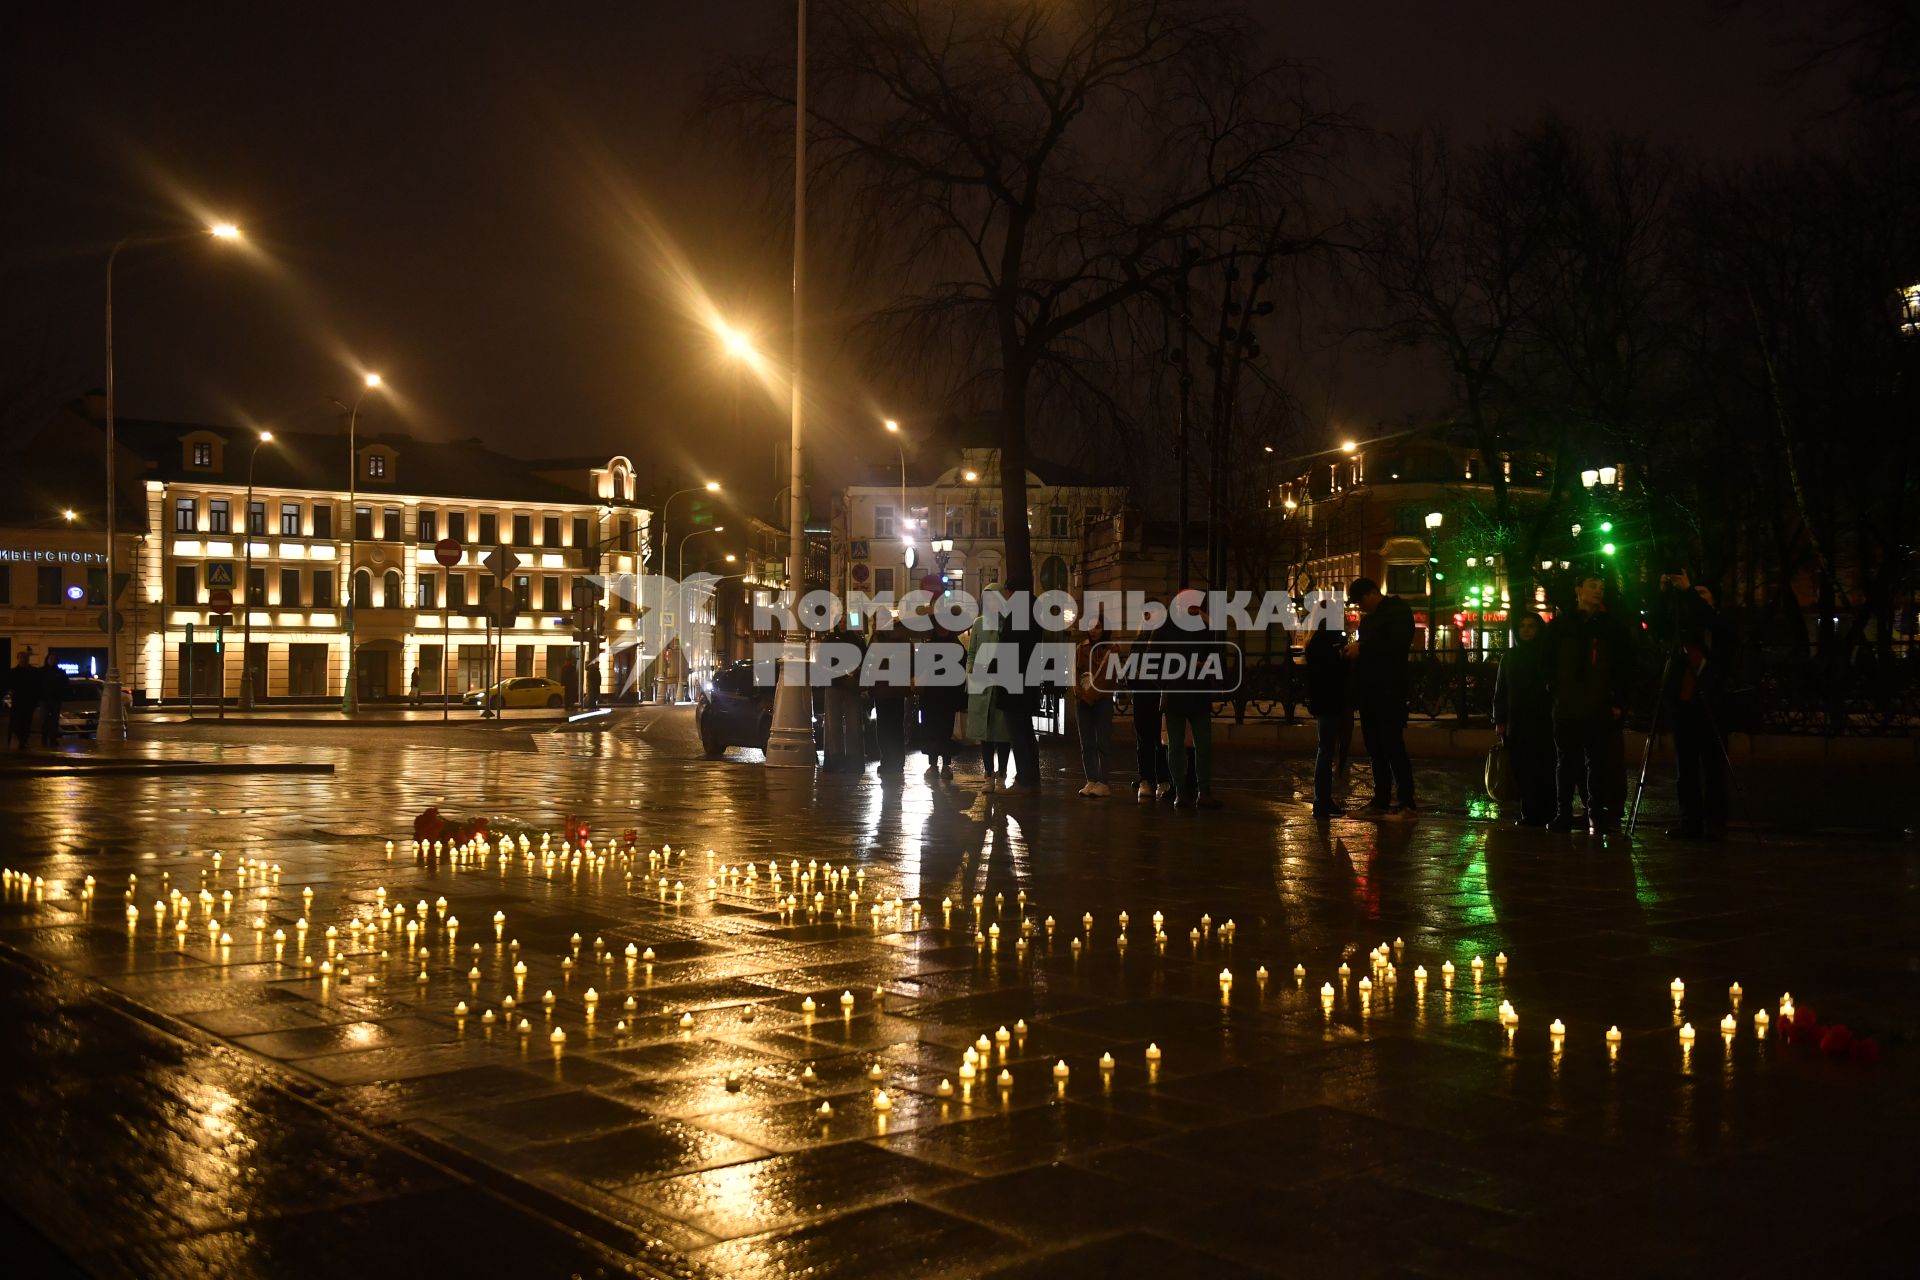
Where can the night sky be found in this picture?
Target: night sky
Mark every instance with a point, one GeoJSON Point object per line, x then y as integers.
{"type": "Point", "coordinates": [466, 198]}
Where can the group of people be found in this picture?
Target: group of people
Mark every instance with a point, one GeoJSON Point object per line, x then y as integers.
{"type": "Point", "coordinates": [29, 689]}
{"type": "Point", "coordinates": [1559, 705]}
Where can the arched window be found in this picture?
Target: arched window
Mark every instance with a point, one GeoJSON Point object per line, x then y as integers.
{"type": "Point", "coordinates": [362, 589]}
{"type": "Point", "coordinates": [1053, 574]}
{"type": "Point", "coordinates": [392, 597]}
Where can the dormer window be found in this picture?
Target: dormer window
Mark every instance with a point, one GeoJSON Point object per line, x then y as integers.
{"type": "Point", "coordinates": [376, 466]}
{"type": "Point", "coordinates": [202, 454]}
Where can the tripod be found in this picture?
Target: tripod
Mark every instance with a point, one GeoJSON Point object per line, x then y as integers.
{"type": "Point", "coordinates": [1653, 736]}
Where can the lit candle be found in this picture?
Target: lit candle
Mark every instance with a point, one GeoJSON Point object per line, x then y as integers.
{"type": "Point", "coordinates": [1677, 988]}
{"type": "Point", "coordinates": [1299, 971]}
{"type": "Point", "coordinates": [944, 1089]}
{"type": "Point", "coordinates": [1326, 991]}
{"type": "Point", "coordinates": [1728, 1025]}
{"type": "Point", "coordinates": [1006, 1078]}
{"type": "Point", "coordinates": [1153, 1053]}
{"type": "Point", "coordinates": [807, 1005]}
{"type": "Point", "coordinates": [1686, 1031]}
{"type": "Point", "coordinates": [558, 1036]}
{"type": "Point", "coordinates": [1106, 1062]}
{"type": "Point", "coordinates": [1344, 970]}
{"type": "Point", "coordinates": [1557, 1029]}
{"type": "Point", "coordinates": [1060, 1069]}
{"type": "Point", "coordinates": [1613, 1035]}
{"type": "Point", "coordinates": [881, 1102]}
{"type": "Point", "coordinates": [686, 1022]}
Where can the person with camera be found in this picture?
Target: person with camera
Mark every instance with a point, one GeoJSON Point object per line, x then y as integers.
{"type": "Point", "coordinates": [1379, 655]}
{"type": "Point", "coordinates": [1694, 695]}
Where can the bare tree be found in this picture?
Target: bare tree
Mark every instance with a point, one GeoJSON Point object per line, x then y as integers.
{"type": "Point", "coordinates": [1029, 169]}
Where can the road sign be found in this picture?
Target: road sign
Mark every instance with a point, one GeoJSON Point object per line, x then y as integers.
{"type": "Point", "coordinates": [114, 619]}
{"type": "Point", "coordinates": [857, 549]}
{"type": "Point", "coordinates": [220, 600]}
{"type": "Point", "coordinates": [448, 551]}
{"type": "Point", "coordinates": [501, 562]}
{"type": "Point", "coordinates": [220, 619]}
{"type": "Point", "coordinates": [860, 572]}
{"type": "Point", "coordinates": [219, 573]}
{"type": "Point", "coordinates": [502, 606]}
{"type": "Point", "coordinates": [585, 594]}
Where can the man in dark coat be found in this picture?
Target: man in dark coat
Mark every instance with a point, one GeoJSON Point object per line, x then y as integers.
{"type": "Point", "coordinates": [1694, 696]}
{"type": "Point", "coordinates": [23, 695]}
{"type": "Point", "coordinates": [1523, 717]}
{"type": "Point", "coordinates": [1380, 658]}
{"type": "Point", "coordinates": [53, 696]}
{"type": "Point", "coordinates": [1592, 677]}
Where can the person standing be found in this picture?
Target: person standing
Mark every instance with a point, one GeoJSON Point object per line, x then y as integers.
{"type": "Point", "coordinates": [1592, 672]}
{"type": "Point", "coordinates": [1327, 671]}
{"type": "Point", "coordinates": [1187, 693]}
{"type": "Point", "coordinates": [942, 702]}
{"type": "Point", "coordinates": [1149, 747]}
{"type": "Point", "coordinates": [1093, 708]}
{"type": "Point", "coordinates": [1380, 667]}
{"type": "Point", "coordinates": [890, 659]}
{"type": "Point", "coordinates": [1695, 690]}
{"type": "Point", "coordinates": [23, 695]}
{"type": "Point", "coordinates": [53, 696]}
{"type": "Point", "coordinates": [986, 714]}
{"type": "Point", "coordinates": [846, 725]}
{"type": "Point", "coordinates": [1523, 717]}
{"type": "Point", "coordinates": [413, 686]}
{"type": "Point", "coordinates": [570, 684]}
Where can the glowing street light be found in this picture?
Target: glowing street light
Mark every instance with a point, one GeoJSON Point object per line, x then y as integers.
{"type": "Point", "coordinates": [224, 231]}
{"type": "Point", "coordinates": [1433, 519]}
{"type": "Point", "coordinates": [893, 426]}
{"type": "Point", "coordinates": [970, 476]}
{"type": "Point", "coordinates": [1349, 446]}
{"type": "Point", "coordinates": [70, 515]}
{"type": "Point", "coordinates": [736, 344]}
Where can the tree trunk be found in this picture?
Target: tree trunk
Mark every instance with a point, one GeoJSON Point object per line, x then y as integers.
{"type": "Point", "coordinates": [1013, 475]}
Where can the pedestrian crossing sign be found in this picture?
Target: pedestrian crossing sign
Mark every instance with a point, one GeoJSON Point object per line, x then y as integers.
{"type": "Point", "coordinates": [219, 573]}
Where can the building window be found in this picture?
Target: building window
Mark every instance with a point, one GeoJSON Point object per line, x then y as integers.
{"type": "Point", "coordinates": [393, 530]}
{"type": "Point", "coordinates": [489, 529]}
{"type": "Point", "coordinates": [1053, 574]}
{"type": "Point", "coordinates": [1409, 521]}
{"type": "Point", "coordinates": [883, 521]}
{"type": "Point", "coordinates": [257, 519]}
{"type": "Point", "coordinates": [392, 592]}
{"type": "Point", "coordinates": [457, 525]}
{"type": "Point", "coordinates": [581, 537]}
{"type": "Point", "coordinates": [322, 520]}
{"type": "Point", "coordinates": [883, 581]}
{"type": "Point", "coordinates": [50, 586]}
{"type": "Point", "coordinates": [289, 519]}
{"type": "Point", "coordinates": [362, 589]}
{"type": "Point", "coordinates": [323, 588]}
{"type": "Point", "coordinates": [428, 592]}
{"type": "Point", "coordinates": [522, 591]}
{"type": "Point", "coordinates": [376, 466]}
{"type": "Point", "coordinates": [989, 522]}
{"type": "Point", "coordinates": [522, 530]}
{"type": "Point", "coordinates": [429, 524]}
{"type": "Point", "coordinates": [1057, 522]}
{"type": "Point", "coordinates": [1406, 579]}
{"type": "Point", "coordinates": [219, 518]}
{"type": "Point", "coordinates": [186, 515]}
{"type": "Point", "coordinates": [289, 588]}
{"type": "Point", "coordinates": [6, 585]}
{"type": "Point", "coordinates": [456, 591]}
{"type": "Point", "coordinates": [550, 531]}
{"type": "Point", "coordinates": [550, 594]}
{"type": "Point", "coordinates": [257, 585]}
{"type": "Point", "coordinates": [203, 454]}
{"type": "Point", "coordinates": [486, 590]}
{"type": "Point", "coordinates": [956, 522]}
{"type": "Point", "coordinates": [96, 585]}
{"type": "Point", "coordinates": [363, 524]}
{"type": "Point", "coordinates": [186, 584]}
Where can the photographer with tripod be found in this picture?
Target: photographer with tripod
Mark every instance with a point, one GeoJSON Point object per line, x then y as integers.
{"type": "Point", "coordinates": [1694, 692]}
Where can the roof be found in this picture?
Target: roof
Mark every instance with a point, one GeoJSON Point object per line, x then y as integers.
{"type": "Point", "coordinates": [318, 461]}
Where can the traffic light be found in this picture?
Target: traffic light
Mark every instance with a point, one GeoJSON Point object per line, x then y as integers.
{"type": "Point", "coordinates": [1607, 549]}
{"type": "Point", "coordinates": [1606, 526]}
{"type": "Point", "coordinates": [702, 515]}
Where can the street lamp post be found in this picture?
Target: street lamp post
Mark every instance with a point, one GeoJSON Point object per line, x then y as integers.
{"type": "Point", "coordinates": [711, 486]}
{"type": "Point", "coordinates": [680, 592]}
{"type": "Point", "coordinates": [899, 444]}
{"type": "Point", "coordinates": [112, 724]}
{"type": "Point", "coordinates": [350, 696]}
{"type": "Point", "coordinates": [246, 590]}
{"type": "Point", "coordinates": [790, 742]}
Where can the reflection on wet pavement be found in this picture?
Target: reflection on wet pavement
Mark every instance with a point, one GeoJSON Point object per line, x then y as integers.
{"type": "Point", "coordinates": [667, 1051]}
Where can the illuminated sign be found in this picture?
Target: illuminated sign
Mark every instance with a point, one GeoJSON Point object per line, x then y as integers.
{"type": "Point", "coordinates": [44, 555]}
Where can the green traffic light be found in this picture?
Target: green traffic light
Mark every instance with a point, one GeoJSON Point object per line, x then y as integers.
{"type": "Point", "coordinates": [1439, 577]}
{"type": "Point", "coordinates": [1606, 526]}
{"type": "Point", "coordinates": [1607, 550]}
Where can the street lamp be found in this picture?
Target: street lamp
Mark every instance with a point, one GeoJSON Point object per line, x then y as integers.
{"type": "Point", "coordinates": [893, 426]}
{"type": "Point", "coordinates": [710, 486]}
{"type": "Point", "coordinates": [1348, 446]}
{"type": "Point", "coordinates": [69, 515]}
{"type": "Point", "coordinates": [1433, 519]}
{"type": "Point", "coordinates": [112, 723]}
{"type": "Point", "coordinates": [1589, 478]}
{"type": "Point", "coordinates": [350, 696]}
{"type": "Point", "coordinates": [246, 590]}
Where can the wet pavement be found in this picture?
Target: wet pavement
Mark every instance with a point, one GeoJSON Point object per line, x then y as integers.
{"type": "Point", "coordinates": [202, 1102]}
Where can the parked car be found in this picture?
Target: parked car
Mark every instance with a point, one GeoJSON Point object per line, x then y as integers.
{"type": "Point", "coordinates": [733, 711]}
{"type": "Point", "coordinates": [519, 691]}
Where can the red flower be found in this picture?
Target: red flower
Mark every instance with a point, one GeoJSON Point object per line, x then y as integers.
{"type": "Point", "coordinates": [1837, 1041]}
{"type": "Point", "coordinates": [429, 826]}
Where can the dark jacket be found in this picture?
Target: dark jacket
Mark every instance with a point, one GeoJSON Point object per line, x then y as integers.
{"type": "Point", "coordinates": [1191, 693]}
{"type": "Point", "coordinates": [53, 687]}
{"type": "Point", "coordinates": [1700, 648]}
{"type": "Point", "coordinates": [1592, 665]}
{"type": "Point", "coordinates": [1386, 637]}
{"type": "Point", "coordinates": [1522, 690]}
{"type": "Point", "coordinates": [1326, 673]}
{"type": "Point", "coordinates": [23, 688]}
